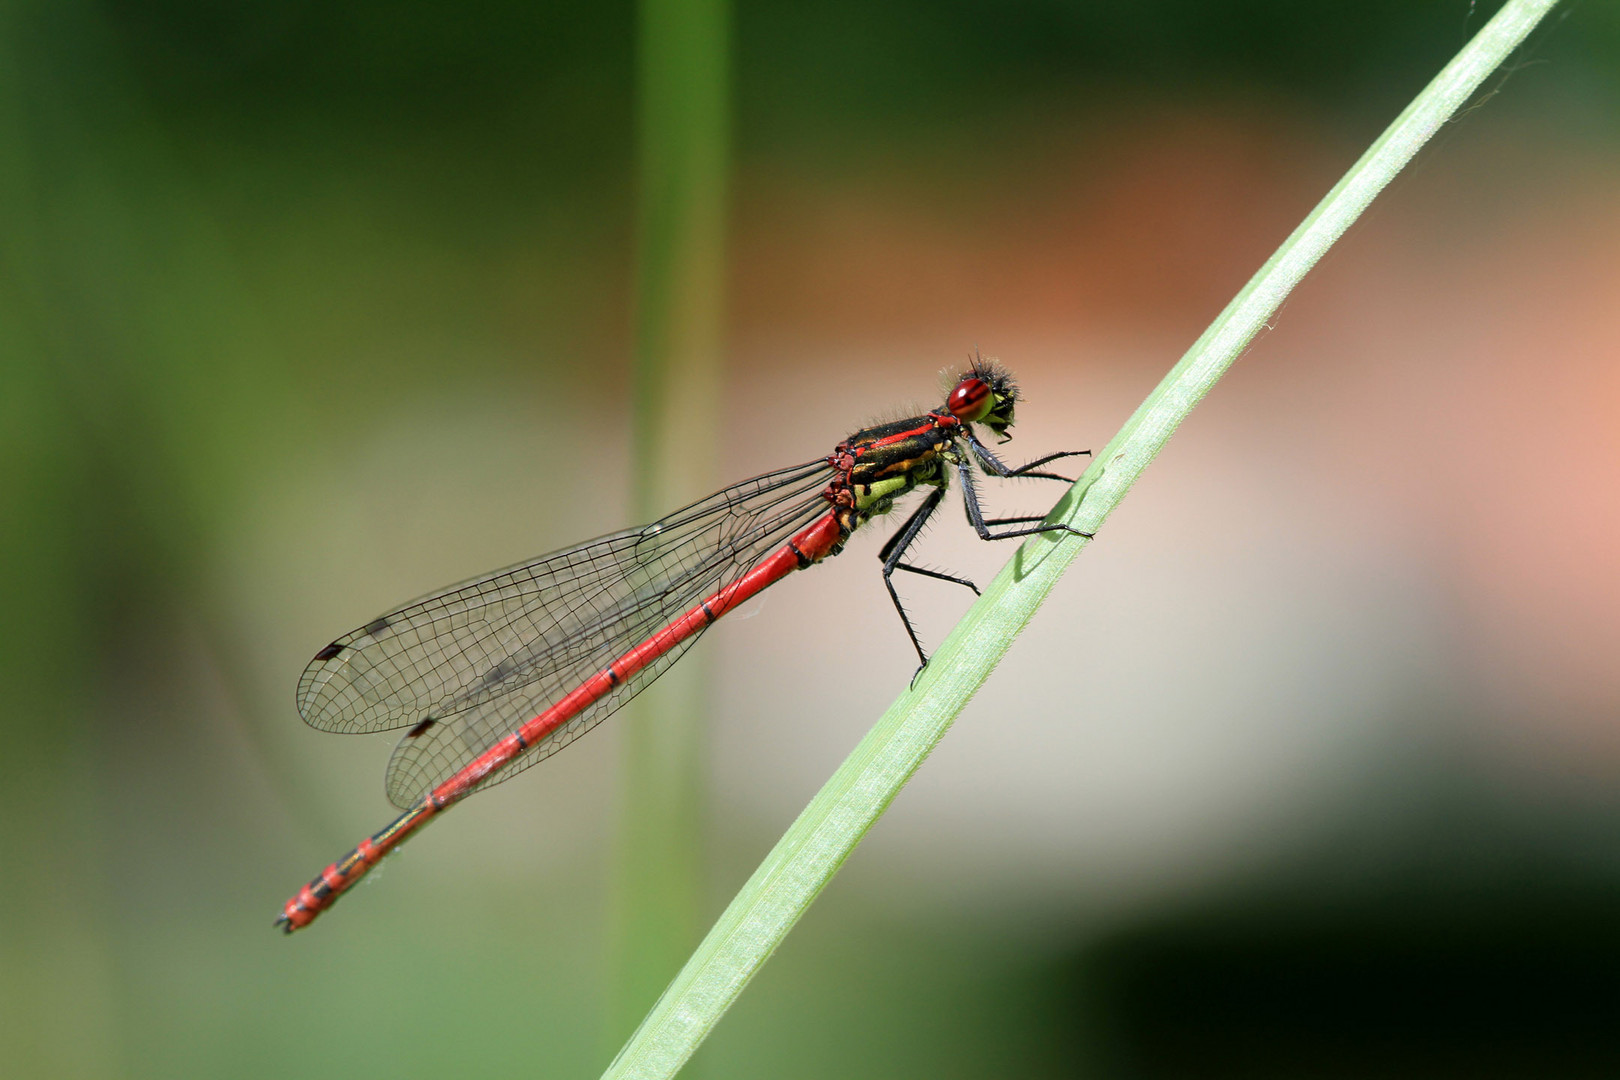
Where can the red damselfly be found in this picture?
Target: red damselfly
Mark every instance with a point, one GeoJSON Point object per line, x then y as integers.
{"type": "Point", "coordinates": [495, 674]}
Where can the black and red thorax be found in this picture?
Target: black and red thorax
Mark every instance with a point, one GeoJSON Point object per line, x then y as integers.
{"type": "Point", "coordinates": [878, 465]}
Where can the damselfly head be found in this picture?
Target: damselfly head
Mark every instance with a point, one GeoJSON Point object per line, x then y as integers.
{"type": "Point", "coordinates": [984, 394]}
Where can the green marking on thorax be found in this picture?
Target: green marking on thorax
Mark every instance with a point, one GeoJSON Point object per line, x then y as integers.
{"type": "Point", "coordinates": [881, 489]}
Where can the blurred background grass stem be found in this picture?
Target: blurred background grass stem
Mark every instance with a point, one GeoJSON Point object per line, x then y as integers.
{"type": "Point", "coordinates": [683, 136]}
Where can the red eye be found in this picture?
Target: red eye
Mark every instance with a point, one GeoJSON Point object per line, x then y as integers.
{"type": "Point", "coordinates": [971, 399]}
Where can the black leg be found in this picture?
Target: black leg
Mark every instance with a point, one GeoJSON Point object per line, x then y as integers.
{"type": "Point", "coordinates": [970, 498]}
{"type": "Point", "coordinates": [996, 467]}
{"type": "Point", "coordinates": [1028, 469]}
{"type": "Point", "coordinates": [1004, 521]}
{"type": "Point", "coordinates": [895, 550]}
{"type": "Point", "coordinates": [913, 524]}
{"type": "Point", "coordinates": [1014, 520]}
{"type": "Point", "coordinates": [1028, 465]}
{"type": "Point", "coordinates": [936, 575]}
{"type": "Point", "coordinates": [907, 533]}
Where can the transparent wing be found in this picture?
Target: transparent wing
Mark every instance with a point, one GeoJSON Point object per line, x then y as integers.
{"type": "Point", "coordinates": [467, 665]}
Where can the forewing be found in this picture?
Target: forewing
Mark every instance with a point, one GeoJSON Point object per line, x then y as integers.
{"type": "Point", "coordinates": [403, 667]}
{"type": "Point", "coordinates": [679, 561]}
{"type": "Point", "coordinates": [469, 664]}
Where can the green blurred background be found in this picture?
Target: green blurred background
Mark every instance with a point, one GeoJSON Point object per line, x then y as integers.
{"type": "Point", "coordinates": [307, 309]}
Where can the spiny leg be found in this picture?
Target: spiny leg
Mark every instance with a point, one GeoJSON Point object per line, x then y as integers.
{"type": "Point", "coordinates": [1024, 469]}
{"type": "Point", "coordinates": [913, 525]}
{"type": "Point", "coordinates": [908, 532]}
{"type": "Point", "coordinates": [976, 518]}
{"type": "Point", "coordinates": [1028, 469]}
{"type": "Point", "coordinates": [996, 467]}
{"type": "Point", "coordinates": [895, 550]}
{"type": "Point", "coordinates": [1012, 520]}
{"type": "Point", "coordinates": [1039, 476]}
{"type": "Point", "coordinates": [937, 576]}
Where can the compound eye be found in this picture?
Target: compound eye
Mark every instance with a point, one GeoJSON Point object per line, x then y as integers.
{"type": "Point", "coordinates": [971, 400]}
